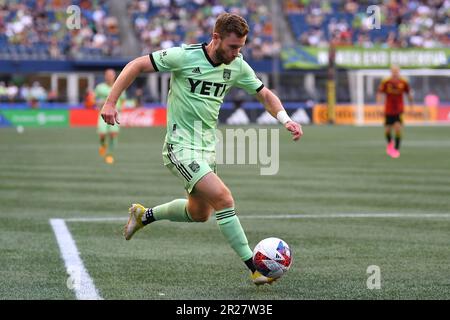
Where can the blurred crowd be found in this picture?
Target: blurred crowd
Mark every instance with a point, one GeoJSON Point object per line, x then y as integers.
{"type": "Point", "coordinates": [403, 23]}
{"type": "Point", "coordinates": [38, 29]}
{"type": "Point", "coordinates": [32, 94]}
{"type": "Point", "coordinates": [162, 24]}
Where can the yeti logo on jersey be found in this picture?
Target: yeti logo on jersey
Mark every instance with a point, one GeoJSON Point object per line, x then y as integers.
{"type": "Point", "coordinates": [207, 88]}
{"type": "Point", "coordinates": [194, 166]}
{"type": "Point", "coordinates": [226, 74]}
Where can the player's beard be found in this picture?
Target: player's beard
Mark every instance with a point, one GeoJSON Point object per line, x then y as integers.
{"type": "Point", "coordinates": [220, 56]}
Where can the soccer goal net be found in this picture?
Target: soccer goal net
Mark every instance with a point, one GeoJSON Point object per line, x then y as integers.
{"type": "Point", "coordinates": [430, 91]}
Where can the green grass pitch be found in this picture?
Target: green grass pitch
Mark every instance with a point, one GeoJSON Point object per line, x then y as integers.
{"type": "Point", "coordinates": [57, 173]}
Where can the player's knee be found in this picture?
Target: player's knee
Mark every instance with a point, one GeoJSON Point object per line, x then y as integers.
{"type": "Point", "coordinates": [201, 218]}
{"type": "Point", "coordinates": [201, 214]}
{"type": "Point", "coordinates": [224, 201]}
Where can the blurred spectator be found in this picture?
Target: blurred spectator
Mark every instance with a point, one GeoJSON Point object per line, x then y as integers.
{"type": "Point", "coordinates": [52, 96]}
{"type": "Point", "coordinates": [392, 41]}
{"type": "Point", "coordinates": [89, 99]}
{"type": "Point", "coordinates": [38, 92]}
{"type": "Point", "coordinates": [3, 91]}
{"type": "Point", "coordinates": [55, 52]}
{"type": "Point", "coordinates": [12, 92]}
{"type": "Point", "coordinates": [351, 7]}
{"type": "Point", "coordinates": [24, 92]}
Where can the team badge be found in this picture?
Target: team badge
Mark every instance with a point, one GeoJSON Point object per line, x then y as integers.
{"type": "Point", "coordinates": [226, 74]}
{"type": "Point", "coordinates": [194, 166]}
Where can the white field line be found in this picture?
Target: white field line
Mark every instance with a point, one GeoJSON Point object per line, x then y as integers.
{"type": "Point", "coordinates": [294, 216]}
{"type": "Point", "coordinates": [79, 280]}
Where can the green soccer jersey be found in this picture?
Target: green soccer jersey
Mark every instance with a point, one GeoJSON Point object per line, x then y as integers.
{"type": "Point", "coordinates": [102, 91]}
{"type": "Point", "coordinates": [197, 90]}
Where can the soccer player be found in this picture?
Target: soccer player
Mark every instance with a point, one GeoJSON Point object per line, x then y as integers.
{"type": "Point", "coordinates": [102, 91]}
{"type": "Point", "coordinates": [201, 76]}
{"type": "Point", "coordinates": [394, 87]}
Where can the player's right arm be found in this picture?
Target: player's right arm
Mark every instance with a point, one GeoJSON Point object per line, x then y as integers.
{"type": "Point", "coordinates": [123, 81]}
{"type": "Point", "coordinates": [163, 60]}
{"type": "Point", "coordinates": [381, 91]}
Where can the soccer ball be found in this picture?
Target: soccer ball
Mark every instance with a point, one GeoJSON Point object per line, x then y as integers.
{"type": "Point", "coordinates": [272, 257]}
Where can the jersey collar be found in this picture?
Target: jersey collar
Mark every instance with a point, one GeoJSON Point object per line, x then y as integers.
{"type": "Point", "coordinates": [204, 44]}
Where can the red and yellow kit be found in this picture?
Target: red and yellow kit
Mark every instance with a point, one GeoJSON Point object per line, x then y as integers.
{"type": "Point", "coordinates": [394, 90]}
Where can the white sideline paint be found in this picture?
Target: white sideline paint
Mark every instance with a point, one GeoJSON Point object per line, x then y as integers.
{"type": "Point", "coordinates": [84, 286]}
{"type": "Point", "coordinates": [295, 216]}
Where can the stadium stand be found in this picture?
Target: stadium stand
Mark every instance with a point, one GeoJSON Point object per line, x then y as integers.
{"type": "Point", "coordinates": [36, 29]}
{"type": "Point", "coordinates": [403, 23]}
{"type": "Point", "coordinates": [162, 24]}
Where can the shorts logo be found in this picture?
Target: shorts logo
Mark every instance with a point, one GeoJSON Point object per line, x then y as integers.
{"type": "Point", "coordinates": [226, 74]}
{"type": "Point", "coordinates": [194, 166]}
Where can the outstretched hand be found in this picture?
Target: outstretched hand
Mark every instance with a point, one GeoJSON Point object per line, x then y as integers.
{"type": "Point", "coordinates": [110, 115]}
{"type": "Point", "coordinates": [295, 129]}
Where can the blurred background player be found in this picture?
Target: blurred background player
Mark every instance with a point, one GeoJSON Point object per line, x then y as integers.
{"type": "Point", "coordinates": [202, 74]}
{"type": "Point", "coordinates": [102, 91]}
{"type": "Point", "coordinates": [393, 88]}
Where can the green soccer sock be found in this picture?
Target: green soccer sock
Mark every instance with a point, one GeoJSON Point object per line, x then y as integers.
{"type": "Point", "coordinates": [176, 211]}
{"type": "Point", "coordinates": [112, 143]}
{"type": "Point", "coordinates": [388, 137]}
{"type": "Point", "coordinates": [398, 139]}
{"type": "Point", "coordinates": [232, 230]}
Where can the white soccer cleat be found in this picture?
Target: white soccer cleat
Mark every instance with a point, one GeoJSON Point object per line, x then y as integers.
{"type": "Point", "coordinates": [135, 221]}
{"type": "Point", "coordinates": [260, 279]}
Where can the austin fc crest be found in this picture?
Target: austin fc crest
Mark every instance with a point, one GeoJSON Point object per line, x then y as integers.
{"type": "Point", "coordinates": [226, 74]}
{"type": "Point", "coordinates": [194, 166]}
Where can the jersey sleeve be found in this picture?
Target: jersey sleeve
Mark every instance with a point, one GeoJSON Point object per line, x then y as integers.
{"type": "Point", "coordinates": [97, 91]}
{"type": "Point", "coordinates": [248, 80]}
{"type": "Point", "coordinates": [167, 59]}
{"type": "Point", "coordinates": [382, 87]}
{"type": "Point", "coordinates": [100, 95]}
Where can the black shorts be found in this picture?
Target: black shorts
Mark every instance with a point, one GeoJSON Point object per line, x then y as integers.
{"type": "Point", "coordinates": [391, 119]}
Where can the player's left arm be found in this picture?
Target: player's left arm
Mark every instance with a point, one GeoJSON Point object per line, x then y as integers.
{"type": "Point", "coordinates": [409, 94]}
{"type": "Point", "coordinates": [381, 91]}
{"type": "Point", "coordinates": [274, 106]}
{"type": "Point", "coordinates": [98, 102]}
{"type": "Point", "coordinates": [411, 100]}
